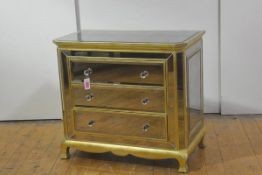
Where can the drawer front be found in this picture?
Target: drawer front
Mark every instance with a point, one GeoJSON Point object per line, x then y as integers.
{"type": "Point", "coordinates": [117, 73]}
{"type": "Point", "coordinates": [120, 124]}
{"type": "Point", "coordinates": [120, 97]}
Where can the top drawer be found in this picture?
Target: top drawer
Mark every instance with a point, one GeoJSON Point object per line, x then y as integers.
{"type": "Point", "coordinates": [122, 71]}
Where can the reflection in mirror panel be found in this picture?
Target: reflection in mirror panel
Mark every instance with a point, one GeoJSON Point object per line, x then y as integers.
{"type": "Point", "coordinates": [118, 54]}
{"type": "Point", "coordinates": [132, 72]}
{"type": "Point", "coordinates": [118, 73]}
{"type": "Point", "coordinates": [180, 99]}
{"type": "Point", "coordinates": [194, 89]}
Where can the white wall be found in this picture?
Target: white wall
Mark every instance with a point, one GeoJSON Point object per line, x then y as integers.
{"type": "Point", "coordinates": [241, 57]}
{"type": "Point", "coordinates": [163, 15]}
{"type": "Point", "coordinates": [28, 70]}
{"type": "Point", "coordinates": [29, 87]}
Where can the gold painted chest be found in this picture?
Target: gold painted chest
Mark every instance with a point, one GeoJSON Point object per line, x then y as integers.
{"type": "Point", "coordinates": [132, 92]}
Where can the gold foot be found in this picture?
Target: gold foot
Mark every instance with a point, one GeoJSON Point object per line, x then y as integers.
{"type": "Point", "coordinates": [183, 167]}
{"type": "Point", "coordinates": [201, 144]}
{"type": "Point", "coordinates": [64, 151]}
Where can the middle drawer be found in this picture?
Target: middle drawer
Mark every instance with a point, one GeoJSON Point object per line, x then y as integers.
{"type": "Point", "coordinates": [126, 97]}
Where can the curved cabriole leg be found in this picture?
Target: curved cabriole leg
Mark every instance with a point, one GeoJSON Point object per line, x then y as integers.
{"type": "Point", "coordinates": [201, 144]}
{"type": "Point", "coordinates": [64, 151]}
{"type": "Point", "coordinates": [183, 166]}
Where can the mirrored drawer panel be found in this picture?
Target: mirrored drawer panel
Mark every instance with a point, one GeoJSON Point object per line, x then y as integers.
{"type": "Point", "coordinates": [126, 97]}
{"type": "Point", "coordinates": [113, 123]}
{"type": "Point", "coordinates": [117, 73]}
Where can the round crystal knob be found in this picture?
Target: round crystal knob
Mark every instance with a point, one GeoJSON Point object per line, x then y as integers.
{"type": "Point", "coordinates": [89, 97]}
{"type": "Point", "coordinates": [146, 127]}
{"type": "Point", "coordinates": [144, 74]}
{"type": "Point", "coordinates": [91, 123]}
{"type": "Point", "coordinates": [145, 101]}
{"type": "Point", "coordinates": [88, 72]}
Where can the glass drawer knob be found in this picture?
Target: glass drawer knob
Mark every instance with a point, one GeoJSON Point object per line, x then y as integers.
{"type": "Point", "coordinates": [91, 123]}
{"type": "Point", "coordinates": [145, 101]}
{"type": "Point", "coordinates": [88, 72]}
{"type": "Point", "coordinates": [144, 74]}
{"type": "Point", "coordinates": [89, 97]}
{"type": "Point", "coordinates": [146, 127]}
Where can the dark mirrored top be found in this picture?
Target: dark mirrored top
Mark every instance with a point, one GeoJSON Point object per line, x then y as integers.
{"type": "Point", "coordinates": [168, 37]}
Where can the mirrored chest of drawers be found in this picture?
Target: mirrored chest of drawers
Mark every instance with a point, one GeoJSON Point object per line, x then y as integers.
{"type": "Point", "coordinates": [132, 92]}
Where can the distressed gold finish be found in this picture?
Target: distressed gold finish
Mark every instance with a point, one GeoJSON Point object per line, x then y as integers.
{"type": "Point", "coordinates": [122, 150]}
{"type": "Point", "coordinates": [146, 95]}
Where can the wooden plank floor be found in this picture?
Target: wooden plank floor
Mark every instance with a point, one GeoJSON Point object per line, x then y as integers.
{"type": "Point", "coordinates": [233, 147]}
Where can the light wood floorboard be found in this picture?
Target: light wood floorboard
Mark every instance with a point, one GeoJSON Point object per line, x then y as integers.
{"type": "Point", "coordinates": [233, 147]}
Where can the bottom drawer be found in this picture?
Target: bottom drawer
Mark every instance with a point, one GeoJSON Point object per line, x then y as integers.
{"type": "Point", "coordinates": [115, 123]}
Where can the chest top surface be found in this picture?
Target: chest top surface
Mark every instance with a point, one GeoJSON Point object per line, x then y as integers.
{"type": "Point", "coordinates": [143, 39]}
{"type": "Point", "coordinates": [170, 37]}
